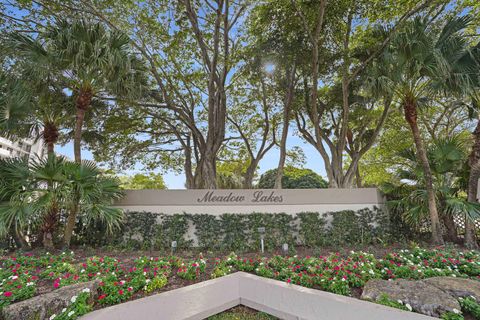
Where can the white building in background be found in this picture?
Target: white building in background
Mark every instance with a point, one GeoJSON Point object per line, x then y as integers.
{"type": "Point", "coordinates": [26, 148]}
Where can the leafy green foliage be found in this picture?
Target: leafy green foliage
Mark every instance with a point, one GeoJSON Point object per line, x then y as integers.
{"type": "Point", "coordinates": [141, 182]}
{"type": "Point", "coordinates": [386, 301]}
{"type": "Point", "coordinates": [293, 178]}
{"type": "Point", "coordinates": [239, 232]}
{"type": "Point", "coordinates": [471, 306]}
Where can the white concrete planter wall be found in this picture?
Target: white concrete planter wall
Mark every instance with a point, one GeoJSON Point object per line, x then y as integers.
{"type": "Point", "coordinates": [277, 298]}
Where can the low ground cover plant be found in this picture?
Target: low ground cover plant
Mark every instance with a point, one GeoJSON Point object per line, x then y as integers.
{"type": "Point", "coordinates": [122, 280]}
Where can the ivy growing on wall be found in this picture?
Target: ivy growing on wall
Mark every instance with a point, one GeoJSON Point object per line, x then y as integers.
{"type": "Point", "coordinates": [239, 232]}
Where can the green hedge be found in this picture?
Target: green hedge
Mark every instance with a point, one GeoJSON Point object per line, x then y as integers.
{"type": "Point", "coordinates": [239, 232]}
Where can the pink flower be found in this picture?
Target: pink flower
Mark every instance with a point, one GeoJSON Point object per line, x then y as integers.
{"type": "Point", "coordinates": [7, 294]}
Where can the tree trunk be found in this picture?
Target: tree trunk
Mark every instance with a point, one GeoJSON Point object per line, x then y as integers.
{"type": "Point", "coordinates": [71, 220]}
{"type": "Point", "coordinates": [209, 171]}
{"type": "Point", "coordinates": [411, 117]}
{"type": "Point", "coordinates": [358, 177]}
{"type": "Point", "coordinates": [19, 239]}
{"type": "Point", "coordinates": [283, 150]}
{"type": "Point", "coordinates": [474, 162]}
{"type": "Point", "coordinates": [470, 240]}
{"type": "Point", "coordinates": [286, 122]}
{"type": "Point", "coordinates": [50, 136]}
{"type": "Point", "coordinates": [249, 175]}
{"type": "Point", "coordinates": [451, 229]}
{"type": "Point", "coordinates": [82, 103]}
{"type": "Point", "coordinates": [49, 225]}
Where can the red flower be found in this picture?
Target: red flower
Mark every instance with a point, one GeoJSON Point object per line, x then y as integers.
{"type": "Point", "coordinates": [129, 289]}
{"type": "Point", "coordinates": [120, 292]}
{"type": "Point", "coordinates": [289, 280]}
{"type": "Point", "coordinates": [56, 285]}
{"type": "Point", "coordinates": [102, 297]}
{"type": "Point", "coordinates": [7, 294]}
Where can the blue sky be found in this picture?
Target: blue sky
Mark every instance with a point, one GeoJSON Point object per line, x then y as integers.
{"type": "Point", "coordinates": [174, 181]}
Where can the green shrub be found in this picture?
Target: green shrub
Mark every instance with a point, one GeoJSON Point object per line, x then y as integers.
{"type": "Point", "coordinates": [293, 178]}
{"type": "Point", "coordinates": [312, 229]}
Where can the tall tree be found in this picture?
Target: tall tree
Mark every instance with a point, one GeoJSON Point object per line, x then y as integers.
{"type": "Point", "coordinates": [423, 54]}
{"type": "Point", "coordinates": [32, 102]}
{"type": "Point", "coordinates": [91, 60]}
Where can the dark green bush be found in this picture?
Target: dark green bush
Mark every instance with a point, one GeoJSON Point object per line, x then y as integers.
{"type": "Point", "coordinates": [293, 178]}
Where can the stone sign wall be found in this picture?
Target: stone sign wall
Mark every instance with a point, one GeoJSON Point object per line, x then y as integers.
{"type": "Point", "coordinates": [247, 201]}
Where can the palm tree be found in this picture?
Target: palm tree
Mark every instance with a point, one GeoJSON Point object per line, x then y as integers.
{"type": "Point", "coordinates": [91, 61]}
{"type": "Point", "coordinates": [446, 158]}
{"type": "Point", "coordinates": [32, 103]}
{"type": "Point", "coordinates": [97, 61]}
{"type": "Point", "coordinates": [36, 194]}
{"type": "Point", "coordinates": [15, 179]}
{"type": "Point", "coordinates": [423, 56]}
{"type": "Point", "coordinates": [92, 195]}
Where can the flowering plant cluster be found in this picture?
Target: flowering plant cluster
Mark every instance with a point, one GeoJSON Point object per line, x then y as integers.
{"type": "Point", "coordinates": [79, 305]}
{"type": "Point", "coordinates": [192, 270]}
{"type": "Point", "coordinates": [123, 280]}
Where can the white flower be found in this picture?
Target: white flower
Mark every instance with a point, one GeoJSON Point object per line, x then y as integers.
{"type": "Point", "coordinates": [30, 284]}
{"type": "Point", "coordinates": [456, 311]}
{"type": "Point", "coordinates": [73, 299]}
{"type": "Point", "coordinates": [87, 290]}
{"type": "Point", "coordinates": [64, 309]}
{"type": "Point", "coordinates": [71, 252]}
{"type": "Point", "coordinates": [53, 316]}
{"type": "Point", "coordinates": [82, 271]}
{"type": "Point", "coordinates": [408, 306]}
{"type": "Point", "coordinates": [14, 277]}
{"type": "Point", "coordinates": [147, 281]}
{"type": "Point", "coordinates": [71, 313]}
{"type": "Point", "coordinates": [400, 301]}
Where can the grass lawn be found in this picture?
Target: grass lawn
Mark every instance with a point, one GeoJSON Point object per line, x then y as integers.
{"type": "Point", "coordinates": [242, 313]}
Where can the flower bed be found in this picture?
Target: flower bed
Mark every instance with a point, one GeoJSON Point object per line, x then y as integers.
{"type": "Point", "coordinates": [22, 275]}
